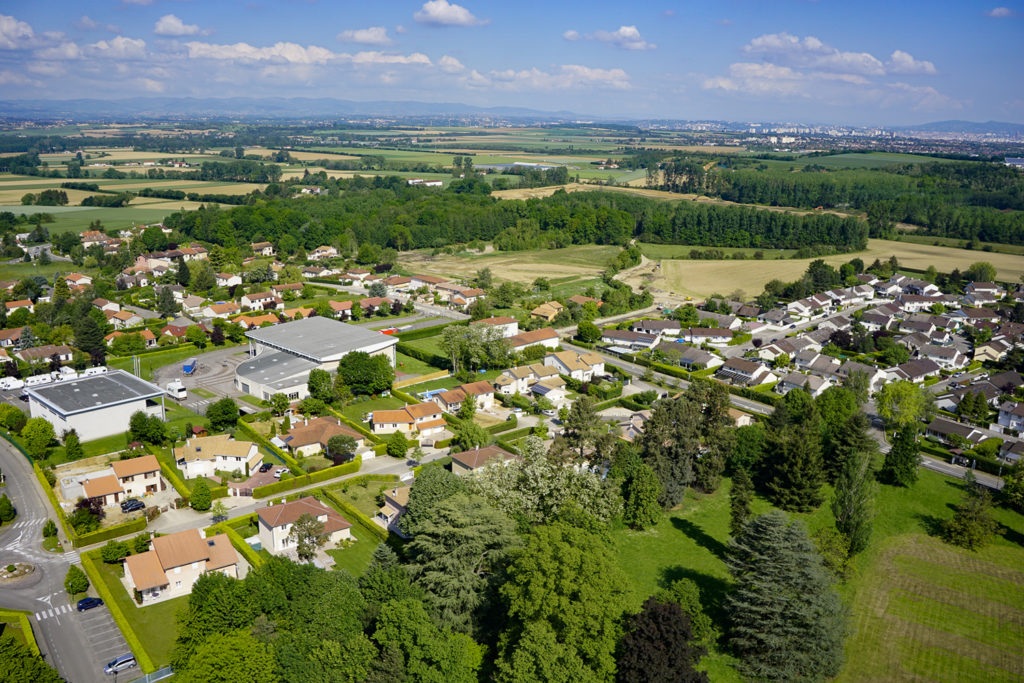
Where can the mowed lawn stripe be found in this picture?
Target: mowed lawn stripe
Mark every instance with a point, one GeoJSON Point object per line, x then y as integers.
{"type": "Point", "coordinates": [986, 623]}
{"type": "Point", "coordinates": [945, 666]}
{"type": "Point", "coordinates": [977, 584]}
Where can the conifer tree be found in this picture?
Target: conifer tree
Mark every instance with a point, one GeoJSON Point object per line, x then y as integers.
{"type": "Point", "coordinates": [739, 501]}
{"type": "Point", "coordinates": [971, 526]}
{"type": "Point", "coordinates": [787, 622]}
{"type": "Point", "coordinates": [853, 502]}
{"type": "Point", "coordinates": [795, 473]}
{"type": "Point", "coordinates": [900, 466]}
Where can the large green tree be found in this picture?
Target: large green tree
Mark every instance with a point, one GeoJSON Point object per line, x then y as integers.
{"type": "Point", "coordinates": [740, 495]}
{"type": "Point", "coordinates": [320, 385]}
{"type": "Point", "coordinates": [903, 459]}
{"type": "Point", "coordinates": [38, 435]}
{"type": "Point", "coordinates": [425, 652]}
{"type": "Point", "coordinates": [786, 620]}
{"type": "Point", "coordinates": [794, 469]}
{"type": "Point", "coordinates": [853, 501]}
{"type": "Point", "coordinates": [972, 525]}
{"type": "Point", "coordinates": [18, 664]}
{"type": "Point", "coordinates": [229, 658]}
{"type": "Point", "coordinates": [566, 596]}
{"type": "Point", "coordinates": [904, 404]}
{"type": "Point", "coordinates": [307, 533]}
{"type": "Point", "coordinates": [222, 414]}
{"type": "Point", "coordinates": [433, 485]}
{"type": "Point", "coordinates": [366, 374]}
{"type": "Point", "coordinates": [658, 646]}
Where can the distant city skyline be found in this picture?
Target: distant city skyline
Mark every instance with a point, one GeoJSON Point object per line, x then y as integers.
{"type": "Point", "coordinates": [864, 63]}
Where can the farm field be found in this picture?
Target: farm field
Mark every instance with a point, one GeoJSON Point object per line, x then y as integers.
{"type": "Point", "coordinates": [702, 278]}
{"type": "Point", "coordinates": [519, 266]}
{"type": "Point", "coordinates": [921, 609]}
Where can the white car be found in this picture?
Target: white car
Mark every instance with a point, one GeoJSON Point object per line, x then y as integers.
{"type": "Point", "coordinates": [279, 471]}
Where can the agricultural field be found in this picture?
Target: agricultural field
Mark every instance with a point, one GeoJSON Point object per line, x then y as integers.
{"type": "Point", "coordinates": [518, 266]}
{"type": "Point", "coordinates": [702, 278]}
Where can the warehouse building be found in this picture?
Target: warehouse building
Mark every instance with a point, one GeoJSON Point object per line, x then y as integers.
{"type": "Point", "coordinates": [282, 356]}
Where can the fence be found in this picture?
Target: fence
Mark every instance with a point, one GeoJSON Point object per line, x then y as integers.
{"type": "Point", "coordinates": [440, 374]}
{"type": "Point", "coordinates": [158, 675]}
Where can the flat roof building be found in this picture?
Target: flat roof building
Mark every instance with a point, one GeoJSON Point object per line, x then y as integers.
{"type": "Point", "coordinates": [282, 356]}
{"type": "Point", "coordinates": [95, 406]}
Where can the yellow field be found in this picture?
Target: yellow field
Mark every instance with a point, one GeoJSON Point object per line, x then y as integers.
{"type": "Point", "coordinates": [165, 204]}
{"type": "Point", "coordinates": [701, 278]}
{"type": "Point", "coordinates": [13, 197]}
{"type": "Point", "coordinates": [287, 175]}
{"type": "Point", "coordinates": [7, 179]}
{"type": "Point", "coordinates": [317, 156]}
{"type": "Point", "coordinates": [519, 266]}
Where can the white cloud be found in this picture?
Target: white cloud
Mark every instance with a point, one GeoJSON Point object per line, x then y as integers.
{"type": "Point", "coordinates": [150, 85]}
{"type": "Point", "coordinates": [566, 76]}
{"type": "Point", "coordinates": [903, 63]}
{"type": "Point", "coordinates": [279, 52]}
{"type": "Point", "coordinates": [12, 78]}
{"type": "Point", "coordinates": [46, 68]}
{"type": "Point", "coordinates": [920, 97]}
{"type": "Point", "coordinates": [62, 51]}
{"type": "Point", "coordinates": [626, 37]}
{"type": "Point", "coordinates": [572, 35]}
{"type": "Point", "coordinates": [810, 52]}
{"type": "Point", "coordinates": [1000, 12]}
{"type": "Point", "coordinates": [87, 23]}
{"type": "Point", "coordinates": [444, 13]}
{"type": "Point", "coordinates": [370, 58]}
{"type": "Point", "coordinates": [14, 34]}
{"type": "Point", "coordinates": [401, 29]}
{"type": "Point", "coordinates": [450, 65]}
{"type": "Point", "coordinates": [170, 25]}
{"type": "Point", "coordinates": [758, 79]}
{"type": "Point", "coordinates": [119, 48]}
{"type": "Point", "coordinates": [375, 35]}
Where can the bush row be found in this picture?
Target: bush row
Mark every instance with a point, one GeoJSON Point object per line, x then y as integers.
{"type": "Point", "coordinates": [503, 426]}
{"type": "Point", "coordinates": [428, 357]}
{"type": "Point", "coordinates": [141, 656]}
{"type": "Point", "coordinates": [373, 438]}
{"type": "Point", "coordinates": [425, 332]}
{"type": "Point", "coordinates": [106, 534]}
{"type": "Point", "coordinates": [353, 515]}
{"type": "Point", "coordinates": [286, 458]}
{"type": "Point", "coordinates": [307, 479]}
{"type": "Point", "coordinates": [26, 627]}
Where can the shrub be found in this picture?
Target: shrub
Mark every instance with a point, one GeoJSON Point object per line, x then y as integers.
{"type": "Point", "coordinates": [49, 529]}
{"type": "Point", "coordinates": [7, 512]}
{"type": "Point", "coordinates": [76, 581]}
{"type": "Point", "coordinates": [201, 499]}
{"type": "Point", "coordinates": [114, 551]}
{"type": "Point", "coordinates": [397, 445]}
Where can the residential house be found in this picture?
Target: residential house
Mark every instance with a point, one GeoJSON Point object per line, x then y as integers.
{"type": "Point", "coordinates": [552, 388]}
{"type": "Point", "coordinates": [629, 339]}
{"type": "Point", "coordinates": [581, 300]}
{"type": "Point", "coordinates": [310, 437]}
{"type": "Point", "coordinates": [341, 309]}
{"type": "Point", "coordinates": [223, 310]}
{"type": "Point", "coordinates": [78, 280]}
{"type": "Point", "coordinates": [876, 376]}
{"type": "Point", "coordinates": [123, 319]}
{"type": "Point", "coordinates": [663, 328]}
{"type": "Point", "coordinates": [688, 356]}
{"type": "Point", "coordinates": [45, 353]}
{"type": "Point", "coordinates": [946, 430]}
{"type": "Point", "coordinates": [632, 427]}
{"type": "Point", "coordinates": [544, 336]}
{"type": "Point", "coordinates": [396, 501]}
{"type": "Point", "coordinates": [974, 316]}
{"type": "Point", "coordinates": [993, 350]}
{"type": "Point", "coordinates": [357, 274]}
{"type": "Point", "coordinates": [193, 304]}
{"type": "Point", "coordinates": [177, 327]}
{"type": "Point", "coordinates": [139, 476]}
{"type": "Point", "coordinates": [371, 303]}
{"type": "Point", "coordinates": [10, 337]}
{"type": "Point", "coordinates": [811, 383]}
{"type": "Point", "coordinates": [294, 287]}
{"type": "Point", "coordinates": [508, 327]}
{"type": "Point", "coordinates": [310, 272]}
{"type": "Point", "coordinates": [451, 401]}
{"type": "Point", "coordinates": [322, 252]}
{"type": "Point", "coordinates": [398, 283]}
{"type": "Point", "coordinates": [916, 370]}
{"type": "Point", "coordinates": [228, 279]}
{"type": "Point", "coordinates": [176, 561]}
{"type": "Point", "coordinates": [1011, 415]}
{"type": "Point", "coordinates": [263, 248]}
{"type": "Point", "coordinates": [981, 293]}
{"type": "Point", "coordinates": [1012, 451]}
{"type": "Point", "coordinates": [776, 317]}
{"type": "Point", "coordinates": [744, 373]}
{"type": "Point", "coordinates": [429, 281]}
{"type": "Point", "coordinates": [740, 418]}
{"type": "Point", "coordinates": [547, 311]}
{"type": "Point", "coordinates": [583, 367]}
{"type": "Point", "coordinates": [18, 305]}
{"type": "Point", "coordinates": [478, 458]}
{"type": "Point", "coordinates": [520, 379]}
{"type": "Point", "coordinates": [947, 357]}
{"type": "Point", "coordinates": [707, 335]}
{"type": "Point", "coordinates": [262, 301]}
{"type": "Point", "coordinates": [148, 338]}
{"type": "Point", "coordinates": [276, 521]}
{"type": "Point", "coordinates": [790, 346]}
{"type": "Point", "coordinates": [106, 489]}
{"type": "Point", "coordinates": [202, 457]}
{"type": "Point", "coordinates": [720, 320]}
{"type": "Point", "coordinates": [421, 419]}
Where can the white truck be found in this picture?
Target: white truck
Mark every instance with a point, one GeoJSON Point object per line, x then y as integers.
{"type": "Point", "coordinates": [176, 390]}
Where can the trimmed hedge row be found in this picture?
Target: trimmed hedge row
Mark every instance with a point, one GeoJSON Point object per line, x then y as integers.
{"type": "Point", "coordinates": [286, 458]}
{"type": "Point", "coordinates": [380, 449]}
{"type": "Point", "coordinates": [428, 357]}
{"type": "Point", "coordinates": [408, 398]}
{"type": "Point", "coordinates": [177, 482]}
{"type": "Point", "coordinates": [425, 332]}
{"type": "Point", "coordinates": [355, 516]}
{"type": "Point", "coordinates": [26, 627]}
{"type": "Point", "coordinates": [141, 656]}
{"type": "Point", "coordinates": [307, 479]}
{"type": "Point", "coordinates": [355, 425]}
{"type": "Point", "coordinates": [244, 549]}
{"type": "Point", "coordinates": [503, 426]}
{"type": "Point", "coordinates": [68, 531]}
{"type": "Point", "coordinates": [108, 533]}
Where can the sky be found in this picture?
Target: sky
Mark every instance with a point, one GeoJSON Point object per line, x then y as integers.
{"type": "Point", "coordinates": [861, 62]}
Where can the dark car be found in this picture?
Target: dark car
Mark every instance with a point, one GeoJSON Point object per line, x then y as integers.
{"type": "Point", "coordinates": [132, 504]}
{"type": "Point", "coordinates": [265, 467]}
{"type": "Point", "coordinates": [88, 603]}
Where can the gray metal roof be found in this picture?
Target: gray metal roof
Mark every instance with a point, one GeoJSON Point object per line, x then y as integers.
{"type": "Point", "coordinates": [320, 339]}
{"type": "Point", "coordinates": [97, 391]}
{"type": "Point", "coordinates": [277, 370]}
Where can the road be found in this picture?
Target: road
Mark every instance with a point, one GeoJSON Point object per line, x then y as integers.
{"type": "Point", "coordinates": [77, 644]}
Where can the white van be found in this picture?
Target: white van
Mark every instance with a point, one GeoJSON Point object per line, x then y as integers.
{"type": "Point", "coordinates": [11, 383]}
{"type": "Point", "coordinates": [36, 380]}
{"type": "Point", "coordinates": [98, 370]}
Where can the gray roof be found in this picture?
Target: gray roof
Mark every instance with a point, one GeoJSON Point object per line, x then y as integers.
{"type": "Point", "coordinates": [91, 393]}
{"type": "Point", "coordinates": [320, 339]}
{"type": "Point", "coordinates": [278, 370]}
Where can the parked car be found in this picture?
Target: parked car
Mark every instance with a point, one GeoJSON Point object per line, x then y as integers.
{"type": "Point", "coordinates": [89, 603]}
{"type": "Point", "coordinates": [132, 504]}
{"type": "Point", "coordinates": [118, 664]}
{"type": "Point", "coordinates": [549, 413]}
{"type": "Point", "coordinates": [279, 472]}
{"type": "Point", "coordinates": [265, 467]}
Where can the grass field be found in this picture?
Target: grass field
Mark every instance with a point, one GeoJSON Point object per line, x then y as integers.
{"type": "Point", "coordinates": [1016, 249]}
{"type": "Point", "coordinates": [519, 266]}
{"type": "Point", "coordinates": [922, 610]}
{"type": "Point", "coordinates": [702, 278]}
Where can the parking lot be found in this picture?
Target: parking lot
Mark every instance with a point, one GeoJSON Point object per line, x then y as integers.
{"type": "Point", "coordinates": [215, 375]}
{"type": "Point", "coordinates": [105, 639]}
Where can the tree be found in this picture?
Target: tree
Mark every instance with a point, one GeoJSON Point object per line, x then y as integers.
{"type": "Point", "coordinates": [786, 619]}
{"type": "Point", "coordinates": [397, 445]}
{"type": "Point", "coordinates": [7, 511]}
{"type": "Point", "coordinates": [18, 664]}
{"type": "Point", "coordinates": [196, 335]}
{"type": "Point", "coordinates": [1013, 486]}
{"type": "Point", "coordinates": [739, 501]}
{"type": "Point", "coordinates": [670, 445]}
{"type": "Point", "coordinates": [75, 581]}
{"type": "Point", "coordinates": [341, 444]}
{"type": "Point", "coordinates": [279, 403]}
{"type": "Point", "coordinates": [565, 597]}
{"type": "Point", "coordinates": [588, 332]}
{"type": "Point", "coordinates": [49, 529]}
{"type": "Point", "coordinates": [640, 491]}
{"type": "Point", "coordinates": [581, 426]}
{"type": "Point", "coordinates": [658, 646]}
{"type": "Point", "coordinates": [320, 385]}
{"type": "Point", "coordinates": [114, 551]}
{"type": "Point", "coordinates": [182, 275]}
{"type": "Point", "coordinates": [222, 414]}
{"type": "Point", "coordinates": [981, 271]}
{"type": "Point", "coordinates": [853, 502]}
{"type": "Point", "coordinates": [468, 408]}
{"type": "Point", "coordinates": [794, 464]}
{"type": "Point", "coordinates": [902, 404]}
{"type": "Point", "coordinates": [686, 594]}
{"type": "Point", "coordinates": [307, 533]}
{"type": "Point", "coordinates": [902, 460]}
{"type": "Point", "coordinates": [38, 435]}
{"type": "Point", "coordinates": [88, 335]}
{"type": "Point", "coordinates": [219, 512]}
{"type": "Point", "coordinates": [366, 374]}
{"type": "Point", "coordinates": [202, 277]}
{"type": "Point", "coordinates": [422, 651]}
{"type": "Point", "coordinates": [228, 658]}
{"type": "Point", "coordinates": [147, 428]}
{"type": "Point", "coordinates": [458, 556]}
{"type": "Point", "coordinates": [200, 498]}
{"type": "Point", "coordinates": [469, 435]}
{"type": "Point", "coordinates": [165, 304]}
{"type": "Point", "coordinates": [433, 485]}
{"type": "Point", "coordinates": [971, 526]}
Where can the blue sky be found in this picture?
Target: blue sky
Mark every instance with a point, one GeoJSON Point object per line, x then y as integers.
{"type": "Point", "coordinates": [859, 62]}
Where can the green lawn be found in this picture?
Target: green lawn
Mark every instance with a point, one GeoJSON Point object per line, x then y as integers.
{"type": "Point", "coordinates": [430, 344]}
{"type": "Point", "coordinates": [904, 590]}
{"type": "Point", "coordinates": [153, 624]}
{"type": "Point", "coordinates": [413, 367]}
{"type": "Point", "coordinates": [356, 410]}
{"type": "Point", "coordinates": [355, 558]}
{"type": "Point", "coordinates": [203, 393]}
{"type": "Point", "coordinates": [448, 382]}
{"type": "Point", "coordinates": [364, 498]}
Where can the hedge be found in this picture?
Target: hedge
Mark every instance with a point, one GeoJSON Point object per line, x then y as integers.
{"type": "Point", "coordinates": [177, 482]}
{"type": "Point", "coordinates": [286, 458]}
{"type": "Point", "coordinates": [511, 423]}
{"type": "Point", "coordinates": [141, 656]}
{"type": "Point", "coordinates": [53, 501]}
{"type": "Point", "coordinates": [108, 533]}
{"type": "Point", "coordinates": [443, 443]}
{"type": "Point", "coordinates": [428, 357]}
{"type": "Point", "coordinates": [425, 332]}
{"type": "Point", "coordinates": [989, 466]}
{"type": "Point", "coordinates": [26, 627]}
{"type": "Point", "coordinates": [398, 393]}
{"type": "Point", "coordinates": [513, 436]}
{"type": "Point", "coordinates": [251, 556]}
{"type": "Point", "coordinates": [355, 425]}
{"type": "Point", "coordinates": [306, 479]}
{"type": "Point", "coordinates": [440, 462]}
{"type": "Point", "coordinates": [380, 449]}
{"type": "Point", "coordinates": [355, 516]}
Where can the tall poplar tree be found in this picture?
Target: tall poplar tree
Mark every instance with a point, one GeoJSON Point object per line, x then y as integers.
{"type": "Point", "coordinates": [902, 460]}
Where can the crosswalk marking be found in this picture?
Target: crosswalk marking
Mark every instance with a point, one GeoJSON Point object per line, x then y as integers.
{"type": "Point", "coordinates": [54, 612]}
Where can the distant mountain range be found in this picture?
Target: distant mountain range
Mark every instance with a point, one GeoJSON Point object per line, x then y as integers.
{"type": "Point", "coordinates": [970, 127]}
{"type": "Point", "coordinates": [262, 107]}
